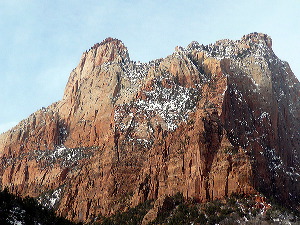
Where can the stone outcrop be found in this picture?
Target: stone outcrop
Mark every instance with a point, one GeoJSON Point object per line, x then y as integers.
{"type": "Point", "coordinates": [206, 121]}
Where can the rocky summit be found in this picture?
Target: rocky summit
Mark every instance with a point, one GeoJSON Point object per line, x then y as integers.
{"type": "Point", "coordinates": [207, 122]}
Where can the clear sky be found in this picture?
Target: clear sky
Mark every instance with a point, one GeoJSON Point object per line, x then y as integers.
{"type": "Point", "coordinates": [42, 41]}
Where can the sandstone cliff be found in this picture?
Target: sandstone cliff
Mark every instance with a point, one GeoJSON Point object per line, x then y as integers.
{"type": "Point", "coordinates": [206, 121]}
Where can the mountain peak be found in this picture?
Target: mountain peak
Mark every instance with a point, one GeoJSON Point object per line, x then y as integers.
{"type": "Point", "coordinates": [109, 41]}
{"type": "Point", "coordinates": [208, 122]}
{"type": "Point", "coordinates": [109, 50]}
{"type": "Point", "coordinates": [258, 38]}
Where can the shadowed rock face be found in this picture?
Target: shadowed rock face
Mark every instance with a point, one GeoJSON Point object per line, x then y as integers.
{"type": "Point", "coordinates": [206, 121]}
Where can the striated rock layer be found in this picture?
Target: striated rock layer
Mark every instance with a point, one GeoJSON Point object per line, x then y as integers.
{"type": "Point", "coordinates": [206, 121]}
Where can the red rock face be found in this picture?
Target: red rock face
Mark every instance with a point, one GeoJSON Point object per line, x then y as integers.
{"type": "Point", "coordinates": [207, 121]}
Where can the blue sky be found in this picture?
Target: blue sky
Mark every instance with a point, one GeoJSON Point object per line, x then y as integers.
{"type": "Point", "coordinates": [42, 41]}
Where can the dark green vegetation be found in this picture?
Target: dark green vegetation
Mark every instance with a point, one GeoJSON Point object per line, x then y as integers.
{"type": "Point", "coordinates": [174, 210]}
{"type": "Point", "coordinates": [15, 210]}
{"type": "Point", "coordinates": [233, 210]}
{"type": "Point", "coordinates": [132, 216]}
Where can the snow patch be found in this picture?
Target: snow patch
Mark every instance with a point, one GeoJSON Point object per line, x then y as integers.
{"type": "Point", "coordinates": [264, 115]}
{"type": "Point", "coordinates": [51, 199]}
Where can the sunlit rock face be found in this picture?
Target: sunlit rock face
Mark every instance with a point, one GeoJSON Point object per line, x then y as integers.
{"type": "Point", "coordinates": [206, 121]}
